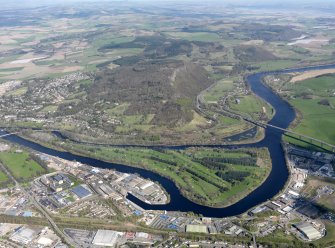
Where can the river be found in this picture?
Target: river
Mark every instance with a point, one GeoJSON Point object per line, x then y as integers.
{"type": "Point", "coordinates": [275, 182]}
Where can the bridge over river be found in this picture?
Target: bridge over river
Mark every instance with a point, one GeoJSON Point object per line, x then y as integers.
{"type": "Point", "coordinates": [302, 137]}
{"type": "Point", "coordinates": [277, 126]}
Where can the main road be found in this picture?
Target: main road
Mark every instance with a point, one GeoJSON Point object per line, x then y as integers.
{"type": "Point", "coordinates": [37, 205]}
{"type": "Point", "coordinates": [275, 182]}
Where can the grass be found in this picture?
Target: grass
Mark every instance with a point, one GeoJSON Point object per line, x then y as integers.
{"type": "Point", "coordinates": [219, 90]}
{"type": "Point", "coordinates": [319, 86]}
{"type": "Point", "coordinates": [18, 92]}
{"type": "Point", "coordinates": [316, 120]}
{"type": "Point", "coordinates": [250, 105]}
{"type": "Point", "coordinates": [310, 190]}
{"type": "Point", "coordinates": [275, 65]}
{"type": "Point", "coordinates": [118, 110]}
{"type": "Point", "coordinates": [13, 69]}
{"type": "Point", "coordinates": [27, 124]}
{"type": "Point", "coordinates": [196, 36]}
{"type": "Point", "coordinates": [198, 182]}
{"type": "Point", "coordinates": [21, 165]}
{"type": "Point", "coordinates": [329, 238]}
{"type": "Point", "coordinates": [3, 177]}
{"type": "Point", "coordinates": [49, 108]}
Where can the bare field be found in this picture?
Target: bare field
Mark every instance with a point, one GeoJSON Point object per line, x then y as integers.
{"type": "Point", "coordinates": [311, 74]}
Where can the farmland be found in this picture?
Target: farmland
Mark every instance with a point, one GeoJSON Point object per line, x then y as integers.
{"type": "Point", "coordinates": [314, 101]}
{"type": "Point", "coordinates": [141, 83]}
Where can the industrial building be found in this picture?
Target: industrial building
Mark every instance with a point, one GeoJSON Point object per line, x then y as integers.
{"type": "Point", "coordinates": [105, 238]}
{"type": "Point", "coordinates": [23, 235]}
{"type": "Point", "coordinates": [57, 182]}
{"type": "Point", "coordinates": [309, 232]}
{"type": "Point", "coordinates": [81, 192]}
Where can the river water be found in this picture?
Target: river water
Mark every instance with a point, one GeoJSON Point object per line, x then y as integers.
{"type": "Point", "coordinates": [275, 182]}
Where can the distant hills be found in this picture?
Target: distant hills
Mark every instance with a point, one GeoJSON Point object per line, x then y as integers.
{"type": "Point", "coordinates": [168, 90]}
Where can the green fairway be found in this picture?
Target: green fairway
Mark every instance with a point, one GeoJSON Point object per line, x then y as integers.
{"type": "Point", "coordinates": [212, 177]}
{"type": "Point", "coordinates": [21, 165]}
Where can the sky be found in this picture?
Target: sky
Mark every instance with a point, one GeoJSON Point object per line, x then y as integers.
{"type": "Point", "coordinates": [33, 3]}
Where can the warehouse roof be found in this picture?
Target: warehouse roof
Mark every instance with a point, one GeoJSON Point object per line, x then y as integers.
{"type": "Point", "coordinates": [105, 238]}
{"type": "Point", "coordinates": [308, 230]}
{"type": "Point", "coordinates": [81, 191]}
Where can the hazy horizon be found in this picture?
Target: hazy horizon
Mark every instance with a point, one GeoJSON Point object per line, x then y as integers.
{"type": "Point", "coordinates": [27, 3]}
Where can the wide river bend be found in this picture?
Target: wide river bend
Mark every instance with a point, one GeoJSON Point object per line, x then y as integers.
{"type": "Point", "coordinates": [275, 182]}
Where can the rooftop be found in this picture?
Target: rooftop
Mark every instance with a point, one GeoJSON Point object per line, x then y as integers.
{"type": "Point", "coordinates": [105, 238]}
{"type": "Point", "coordinates": [81, 191]}
{"type": "Point", "coordinates": [308, 230]}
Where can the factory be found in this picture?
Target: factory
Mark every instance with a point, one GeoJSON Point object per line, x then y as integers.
{"type": "Point", "coordinates": [57, 183]}
{"type": "Point", "coordinates": [308, 231]}
{"type": "Point", "coordinates": [81, 191]}
{"type": "Point", "coordinates": [105, 238]}
{"type": "Point", "coordinates": [23, 235]}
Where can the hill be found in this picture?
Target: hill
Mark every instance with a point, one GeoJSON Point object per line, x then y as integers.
{"type": "Point", "coordinates": [166, 90]}
{"type": "Point", "coordinates": [253, 54]}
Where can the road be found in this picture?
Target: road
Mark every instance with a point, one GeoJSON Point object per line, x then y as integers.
{"type": "Point", "coordinates": [266, 125]}
{"type": "Point", "coordinates": [200, 100]}
{"type": "Point", "coordinates": [32, 198]}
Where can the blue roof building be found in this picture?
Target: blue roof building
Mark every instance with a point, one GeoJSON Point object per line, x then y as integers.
{"type": "Point", "coordinates": [81, 192]}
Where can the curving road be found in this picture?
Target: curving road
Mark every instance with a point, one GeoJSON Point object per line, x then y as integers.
{"type": "Point", "coordinates": [283, 117]}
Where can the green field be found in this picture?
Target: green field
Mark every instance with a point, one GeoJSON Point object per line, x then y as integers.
{"type": "Point", "coordinates": [3, 177]}
{"type": "Point", "coordinates": [251, 105]}
{"type": "Point", "coordinates": [4, 180]}
{"type": "Point", "coordinates": [328, 240]}
{"type": "Point", "coordinates": [212, 177]}
{"type": "Point", "coordinates": [219, 90]}
{"type": "Point", "coordinates": [275, 65]}
{"type": "Point", "coordinates": [197, 36]}
{"type": "Point", "coordinates": [21, 165]}
{"type": "Point", "coordinates": [13, 69]}
{"type": "Point", "coordinates": [316, 120]}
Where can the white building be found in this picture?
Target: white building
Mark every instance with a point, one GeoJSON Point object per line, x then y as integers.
{"type": "Point", "coordinates": [105, 238]}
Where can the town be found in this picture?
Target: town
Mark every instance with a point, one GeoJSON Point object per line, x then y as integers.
{"type": "Point", "coordinates": [168, 124]}
{"type": "Point", "coordinates": [76, 190]}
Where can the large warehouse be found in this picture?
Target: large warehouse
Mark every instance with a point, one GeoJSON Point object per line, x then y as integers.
{"type": "Point", "coordinates": [310, 232]}
{"type": "Point", "coordinates": [105, 238]}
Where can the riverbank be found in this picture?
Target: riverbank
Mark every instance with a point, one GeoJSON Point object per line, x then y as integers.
{"type": "Point", "coordinates": [187, 170]}
{"type": "Point", "coordinates": [275, 182]}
